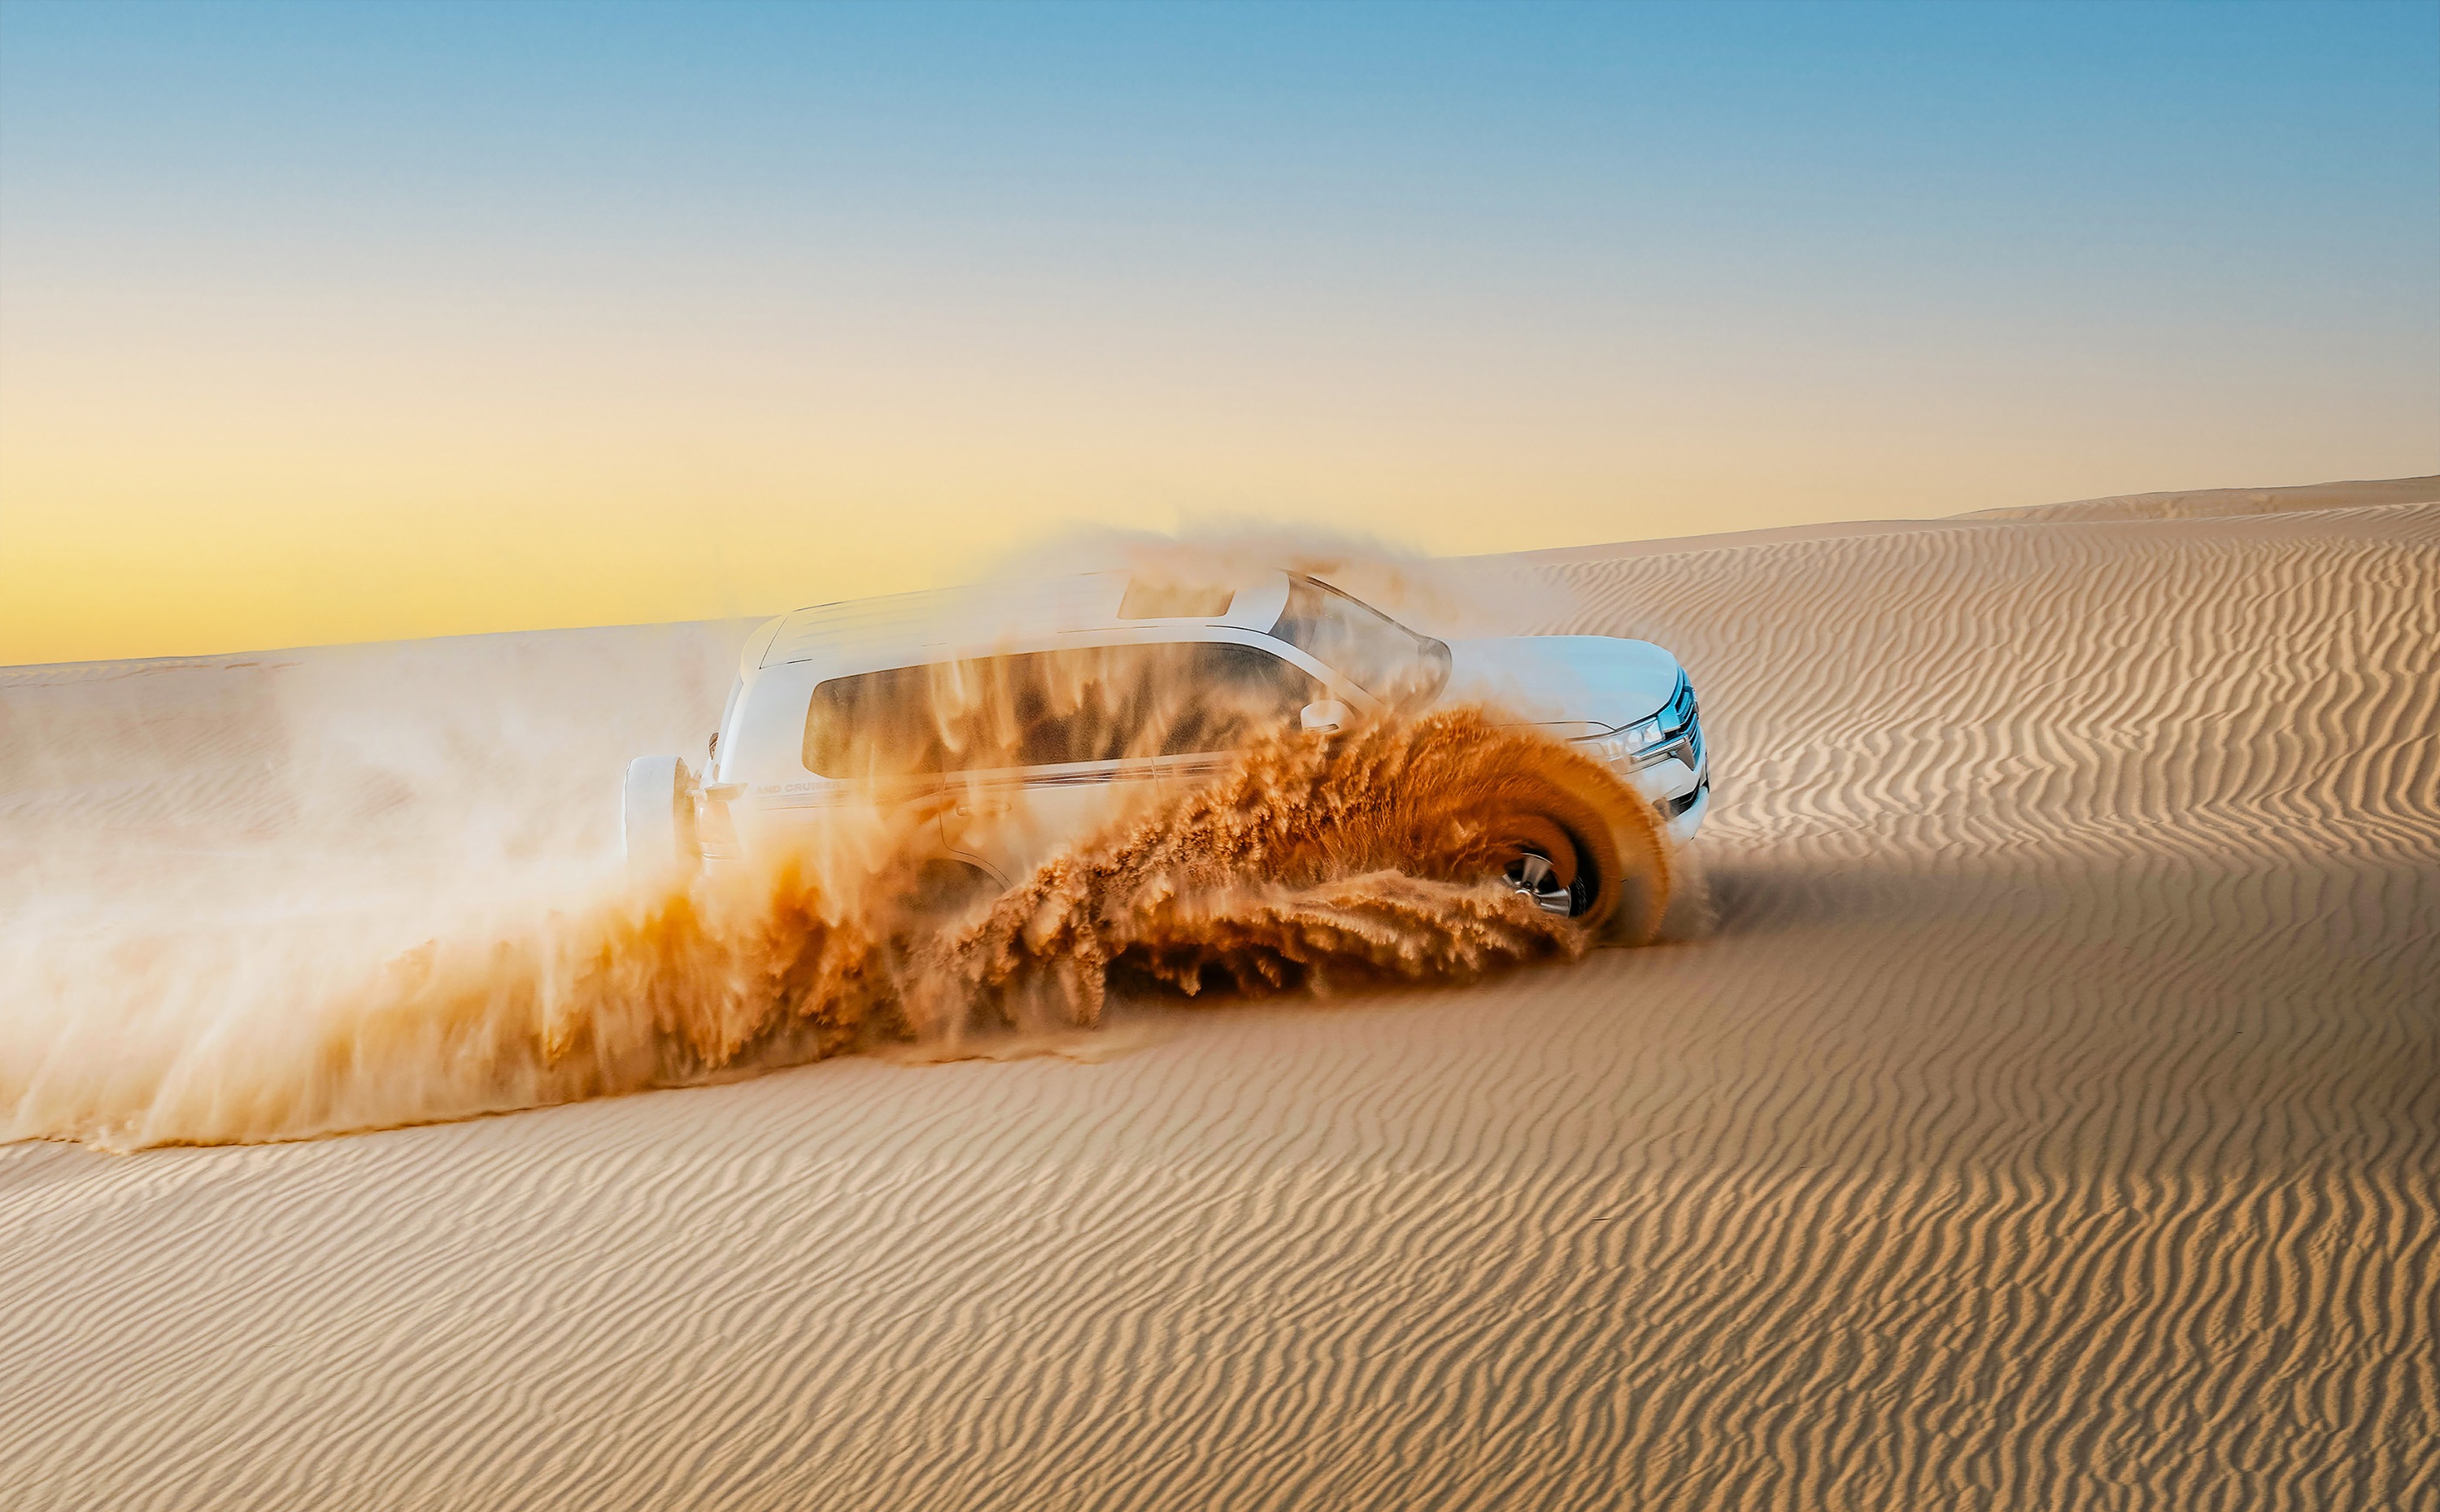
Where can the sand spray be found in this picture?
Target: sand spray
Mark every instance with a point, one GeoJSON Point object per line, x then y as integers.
{"type": "Point", "coordinates": [370, 886]}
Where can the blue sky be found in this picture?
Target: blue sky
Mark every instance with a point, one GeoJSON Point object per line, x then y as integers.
{"type": "Point", "coordinates": [1473, 276]}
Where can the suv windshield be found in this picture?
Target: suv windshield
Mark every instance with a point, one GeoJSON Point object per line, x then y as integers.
{"type": "Point", "coordinates": [1047, 708]}
{"type": "Point", "coordinates": [1376, 652]}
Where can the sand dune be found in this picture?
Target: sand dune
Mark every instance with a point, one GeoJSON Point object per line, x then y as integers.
{"type": "Point", "coordinates": [2047, 1114]}
{"type": "Point", "coordinates": [2219, 503]}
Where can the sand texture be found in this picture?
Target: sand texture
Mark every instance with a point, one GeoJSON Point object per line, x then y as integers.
{"type": "Point", "coordinates": [2042, 1110]}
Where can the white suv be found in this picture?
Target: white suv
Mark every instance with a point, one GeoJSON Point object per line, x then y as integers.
{"type": "Point", "coordinates": [833, 699]}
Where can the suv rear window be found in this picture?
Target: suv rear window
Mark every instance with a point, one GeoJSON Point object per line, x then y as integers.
{"type": "Point", "coordinates": [1043, 708]}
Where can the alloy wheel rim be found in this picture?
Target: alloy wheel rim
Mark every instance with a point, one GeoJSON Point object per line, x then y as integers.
{"type": "Point", "coordinates": [1537, 879]}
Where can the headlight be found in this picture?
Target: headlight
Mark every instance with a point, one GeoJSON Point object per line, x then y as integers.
{"type": "Point", "coordinates": [1624, 748]}
{"type": "Point", "coordinates": [1648, 739]}
{"type": "Point", "coordinates": [1638, 738]}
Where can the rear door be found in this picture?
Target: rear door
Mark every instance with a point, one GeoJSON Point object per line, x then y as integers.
{"type": "Point", "coordinates": [1031, 749]}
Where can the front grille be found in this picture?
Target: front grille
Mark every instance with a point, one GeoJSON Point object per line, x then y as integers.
{"type": "Point", "coordinates": [1686, 745]}
{"type": "Point", "coordinates": [1679, 714]}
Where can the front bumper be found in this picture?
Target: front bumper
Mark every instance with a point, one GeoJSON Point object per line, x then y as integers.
{"type": "Point", "coordinates": [1674, 772]}
{"type": "Point", "coordinates": [1679, 781]}
{"type": "Point", "coordinates": [1685, 811]}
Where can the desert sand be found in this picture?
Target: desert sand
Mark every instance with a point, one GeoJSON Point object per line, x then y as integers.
{"type": "Point", "coordinates": [2037, 1106]}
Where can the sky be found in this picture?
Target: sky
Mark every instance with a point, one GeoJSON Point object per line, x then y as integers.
{"type": "Point", "coordinates": [332, 322]}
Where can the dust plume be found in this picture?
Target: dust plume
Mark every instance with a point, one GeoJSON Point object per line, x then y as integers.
{"type": "Point", "coordinates": [1444, 595]}
{"type": "Point", "coordinates": [1311, 860]}
{"type": "Point", "coordinates": [1374, 853]}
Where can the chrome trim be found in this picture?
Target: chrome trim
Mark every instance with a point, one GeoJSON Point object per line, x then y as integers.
{"type": "Point", "coordinates": [1662, 727]}
{"type": "Point", "coordinates": [1687, 746]}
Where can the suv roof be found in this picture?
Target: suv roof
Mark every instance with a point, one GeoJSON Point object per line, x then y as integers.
{"type": "Point", "coordinates": [903, 629]}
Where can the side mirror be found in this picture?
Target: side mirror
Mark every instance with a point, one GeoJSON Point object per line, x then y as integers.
{"type": "Point", "coordinates": [1326, 715]}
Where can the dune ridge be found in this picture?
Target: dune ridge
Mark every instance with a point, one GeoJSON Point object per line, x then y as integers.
{"type": "Point", "coordinates": [2214, 503]}
{"type": "Point", "coordinates": [2049, 1116]}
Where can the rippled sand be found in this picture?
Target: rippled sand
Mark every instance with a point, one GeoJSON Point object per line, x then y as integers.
{"type": "Point", "coordinates": [2045, 1112]}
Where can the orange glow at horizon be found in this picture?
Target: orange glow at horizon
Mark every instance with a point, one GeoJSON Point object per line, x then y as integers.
{"type": "Point", "coordinates": [323, 325]}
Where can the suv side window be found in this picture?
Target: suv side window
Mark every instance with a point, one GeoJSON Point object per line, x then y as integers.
{"type": "Point", "coordinates": [1049, 707]}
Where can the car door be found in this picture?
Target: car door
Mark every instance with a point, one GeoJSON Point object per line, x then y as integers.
{"type": "Point", "coordinates": [1166, 713]}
